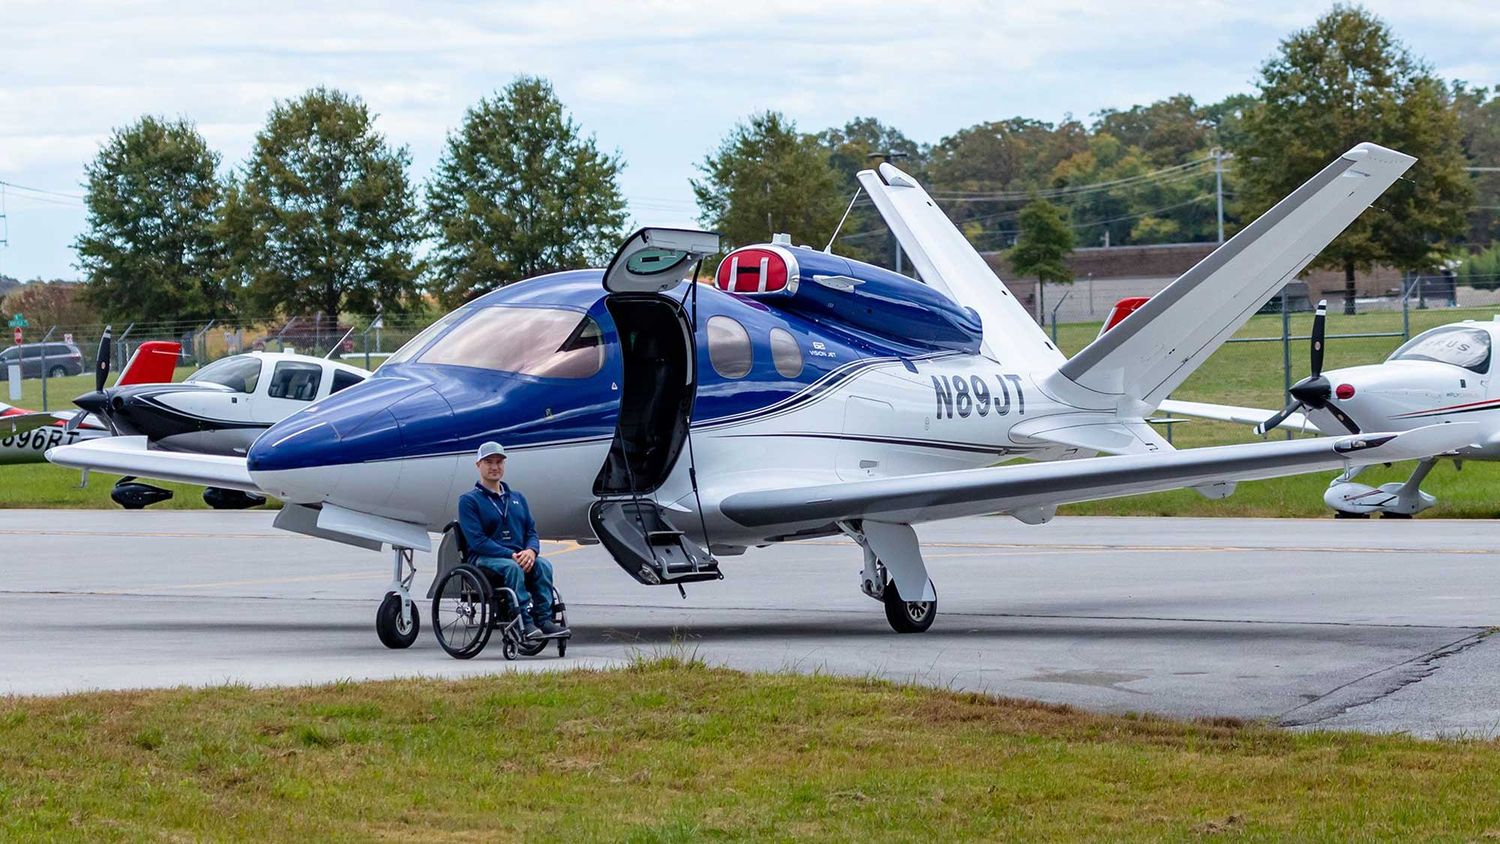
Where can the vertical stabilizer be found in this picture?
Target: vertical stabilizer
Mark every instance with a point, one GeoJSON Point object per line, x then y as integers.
{"type": "Point", "coordinates": [946, 260]}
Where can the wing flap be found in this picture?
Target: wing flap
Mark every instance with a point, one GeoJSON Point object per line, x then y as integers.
{"type": "Point", "coordinates": [1008, 489]}
{"type": "Point", "coordinates": [130, 456]}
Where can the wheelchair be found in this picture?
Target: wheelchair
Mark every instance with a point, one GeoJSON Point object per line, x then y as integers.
{"type": "Point", "coordinates": [469, 604]}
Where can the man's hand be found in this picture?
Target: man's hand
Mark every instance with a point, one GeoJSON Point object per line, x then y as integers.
{"type": "Point", "coordinates": [525, 558]}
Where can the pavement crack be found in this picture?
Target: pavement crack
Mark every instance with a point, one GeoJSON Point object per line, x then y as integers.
{"type": "Point", "coordinates": [1376, 685]}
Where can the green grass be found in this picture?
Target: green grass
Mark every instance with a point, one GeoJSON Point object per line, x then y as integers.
{"type": "Point", "coordinates": [673, 751]}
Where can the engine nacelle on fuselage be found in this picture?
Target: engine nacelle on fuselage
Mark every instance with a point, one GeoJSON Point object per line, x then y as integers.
{"type": "Point", "coordinates": [852, 295]}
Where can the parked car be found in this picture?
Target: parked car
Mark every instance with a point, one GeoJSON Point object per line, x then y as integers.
{"type": "Point", "coordinates": [60, 359]}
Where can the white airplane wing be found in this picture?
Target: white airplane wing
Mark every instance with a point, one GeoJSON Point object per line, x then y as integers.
{"type": "Point", "coordinates": [1239, 415]}
{"type": "Point", "coordinates": [1152, 351]}
{"type": "Point", "coordinates": [1031, 487]}
{"type": "Point", "coordinates": [130, 456]}
{"type": "Point", "coordinates": [20, 423]}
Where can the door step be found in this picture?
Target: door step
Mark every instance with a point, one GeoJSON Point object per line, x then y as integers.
{"type": "Point", "coordinates": [641, 540]}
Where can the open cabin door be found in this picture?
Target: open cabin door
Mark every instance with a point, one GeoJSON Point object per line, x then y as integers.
{"type": "Point", "coordinates": [658, 382]}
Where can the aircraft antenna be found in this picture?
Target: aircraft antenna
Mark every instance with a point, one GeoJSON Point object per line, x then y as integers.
{"type": "Point", "coordinates": [840, 227]}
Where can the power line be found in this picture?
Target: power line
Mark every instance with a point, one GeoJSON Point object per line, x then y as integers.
{"type": "Point", "coordinates": [15, 186]}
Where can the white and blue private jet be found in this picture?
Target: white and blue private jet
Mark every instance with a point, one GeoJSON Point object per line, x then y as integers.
{"type": "Point", "coordinates": [800, 395]}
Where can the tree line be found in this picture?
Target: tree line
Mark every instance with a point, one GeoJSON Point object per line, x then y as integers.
{"type": "Point", "coordinates": [323, 215]}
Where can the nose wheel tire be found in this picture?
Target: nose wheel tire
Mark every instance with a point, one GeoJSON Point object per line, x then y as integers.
{"type": "Point", "coordinates": [908, 616]}
{"type": "Point", "coordinates": [389, 627]}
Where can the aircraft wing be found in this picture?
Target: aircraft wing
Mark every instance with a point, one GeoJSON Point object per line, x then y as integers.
{"type": "Point", "coordinates": [1036, 486]}
{"type": "Point", "coordinates": [20, 423]}
{"type": "Point", "coordinates": [1154, 349]}
{"type": "Point", "coordinates": [130, 456]}
{"type": "Point", "coordinates": [1239, 415]}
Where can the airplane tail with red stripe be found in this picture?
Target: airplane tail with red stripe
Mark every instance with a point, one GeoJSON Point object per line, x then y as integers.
{"type": "Point", "coordinates": [153, 363]}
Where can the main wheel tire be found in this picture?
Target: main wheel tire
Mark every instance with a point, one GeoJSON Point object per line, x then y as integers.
{"type": "Point", "coordinates": [57, 372]}
{"type": "Point", "coordinates": [463, 612]}
{"type": "Point", "coordinates": [1340, 514]}
{"type": "Point", "coordinates": [908, 616]}
{"type": "Point", "coordinates": [393, 634]}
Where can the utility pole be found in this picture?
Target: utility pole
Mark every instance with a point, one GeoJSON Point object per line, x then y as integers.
{"type": "Point", "coordinates": [1219, 157]}
{"type": "Point", "coordinates": [891, 155]}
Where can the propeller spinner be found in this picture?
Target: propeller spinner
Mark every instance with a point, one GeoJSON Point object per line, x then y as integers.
{"type": "Point", "coordinates": [1314, 391]}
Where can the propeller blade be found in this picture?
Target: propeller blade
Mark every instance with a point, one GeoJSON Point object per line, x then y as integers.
{"type": "Point", "coordinates": [1320, 320]}
{"type": "Point", "coordinates": [1280, 417]}
{"type": "Point", "coordinates": [101, 361]}
{"type": "Point", "coordinates": [1342, 417]}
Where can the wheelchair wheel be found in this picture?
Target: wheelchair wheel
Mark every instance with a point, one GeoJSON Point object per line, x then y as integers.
{"type": "Point", "coordinates": [461, 612]}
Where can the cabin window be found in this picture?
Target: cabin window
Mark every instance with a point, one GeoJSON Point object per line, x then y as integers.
{"type": "Point", "coordinates": [295, 380]}
{"type": "Point", "coordinates": [544, 342]}
{"type": "Point", "coordinates": [1465, 347]}
{"type": "Point", "coordinates": [728, 347]}
{"type": "Point", "coordinates": [239, 373]}
{"type": "Point", "coordinates": [343, 380]}
{"type": "Point", "coordinates": [785, 353]}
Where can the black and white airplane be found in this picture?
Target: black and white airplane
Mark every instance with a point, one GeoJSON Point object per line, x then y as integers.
{"type": "Point", "coordinates": [800, 395]}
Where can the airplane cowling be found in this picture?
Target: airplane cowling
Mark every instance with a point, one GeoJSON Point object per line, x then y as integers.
{"type": "Point", "coordinates": [851, 295]}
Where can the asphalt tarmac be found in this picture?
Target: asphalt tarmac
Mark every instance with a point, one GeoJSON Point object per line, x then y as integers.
{"type": "Point", "coordinates": [1369, 625]}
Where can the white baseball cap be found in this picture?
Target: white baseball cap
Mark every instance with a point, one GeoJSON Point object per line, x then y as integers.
{"type": "Point", "coordinates": [489, 449]}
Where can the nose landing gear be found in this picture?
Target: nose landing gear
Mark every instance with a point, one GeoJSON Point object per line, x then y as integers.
{"type": "Point", "coordinates": [1351, 500]}
{"type": "Point", "coordinates": [397, 622]}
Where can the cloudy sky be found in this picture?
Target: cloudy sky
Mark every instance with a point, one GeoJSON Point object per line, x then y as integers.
{"type": "Point", "coordinates": [661, 82]}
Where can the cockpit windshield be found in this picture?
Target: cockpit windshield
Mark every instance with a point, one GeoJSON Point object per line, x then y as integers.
{"type": "Point", "coordinates": [1465, 347]}
{"type": "Point", "coordinates": [239, 373]}
{"type": "Point", "coordinates": [544, 342]}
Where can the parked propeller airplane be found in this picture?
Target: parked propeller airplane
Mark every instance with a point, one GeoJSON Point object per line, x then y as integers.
{"type": "Point", "coordinates": [25, 435]}
{"type": "Point", "coordinates": [801, 395]}
{"type": "Point", "coordinates": [1441, 375]}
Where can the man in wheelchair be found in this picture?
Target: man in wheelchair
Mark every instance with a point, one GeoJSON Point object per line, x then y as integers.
{"type": "Point", "coordinates": [502, 541]}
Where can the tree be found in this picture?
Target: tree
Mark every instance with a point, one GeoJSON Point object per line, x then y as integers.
{"type": "Point", "coordinates": [1168, 131]}
{"type": "Point", "coordinates": [325, 219]}
{"type": "Point", "coordinates": [520, 192]}
{"type": "Point", "coordinates": [861, 144]}
{"type": "Point", "coordinates": [766, 177]}
{"type": "Point", "coordinates": [1343, 80]}
{"type": "Point", "coordinates": [993, 167]}
{"type": "Point", "coordinates": [1479, 127]}
{"type": "Point", "coordinates": [148, 251]}
{"type": "Point", "coordinates": [49, 303]}
{"type": "Point", "coordinates": [1042, 248]}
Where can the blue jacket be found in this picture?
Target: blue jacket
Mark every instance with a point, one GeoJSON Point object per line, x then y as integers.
{"type": "Point", "coordinates": [479, 517]}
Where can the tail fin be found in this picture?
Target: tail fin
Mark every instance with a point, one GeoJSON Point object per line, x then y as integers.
{"type": "Point", "coordinates": [946, 261]}
{"type": "Point", "coordinates": [153, 363]}
{"type": "Point", "coordinates": [1154, 349]}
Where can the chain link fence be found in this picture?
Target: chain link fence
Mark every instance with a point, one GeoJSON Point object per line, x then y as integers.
{"type": "Point", "coordinates": [48, 353]}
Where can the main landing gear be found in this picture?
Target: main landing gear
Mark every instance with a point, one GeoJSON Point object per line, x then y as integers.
{"type": "Point", "coordinates": [1351, 500]}
{"type": "Point", "coordinates": [899, 545]}
{"type": "Point", "coordinates": [397, 622]}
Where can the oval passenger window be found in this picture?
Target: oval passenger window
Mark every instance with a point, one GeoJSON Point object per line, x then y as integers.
{"type": "Point", "coordinates": [728, 347]}
{"type": "Point", "coordinates": [785, 353]}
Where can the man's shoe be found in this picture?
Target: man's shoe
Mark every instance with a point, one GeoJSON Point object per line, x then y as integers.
{"type": "Point", "coordinates": [552, 630]}
{"type": "Point", "coordinates": [530, 631]}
